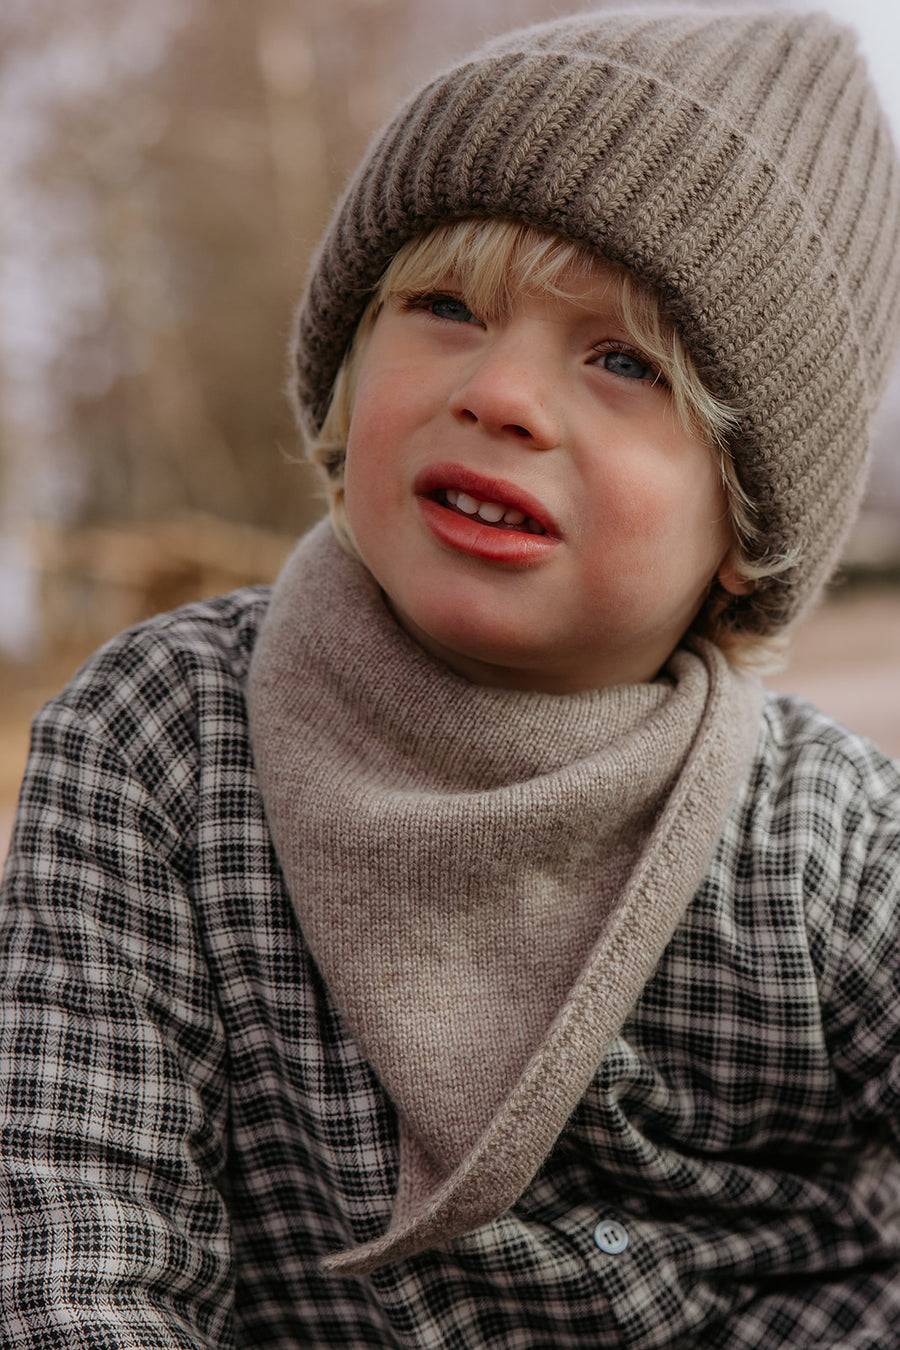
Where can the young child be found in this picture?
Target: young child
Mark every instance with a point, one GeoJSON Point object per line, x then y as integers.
{"type": "Point", "coordinates": [455, 947]}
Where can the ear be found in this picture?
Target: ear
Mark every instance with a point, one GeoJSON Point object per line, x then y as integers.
{"type": "Point", "coordinates": [729, 580]}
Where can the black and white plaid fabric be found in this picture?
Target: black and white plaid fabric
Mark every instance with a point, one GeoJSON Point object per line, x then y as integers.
{"type": "Point", "coordinates": [187, 1126]}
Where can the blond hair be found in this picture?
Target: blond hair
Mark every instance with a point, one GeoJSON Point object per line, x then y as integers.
{"type": "Point", "coordinates": [493, 260]}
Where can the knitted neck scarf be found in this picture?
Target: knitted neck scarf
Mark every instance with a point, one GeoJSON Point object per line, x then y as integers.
{"type": "Point", "coordinates": [486, 878]}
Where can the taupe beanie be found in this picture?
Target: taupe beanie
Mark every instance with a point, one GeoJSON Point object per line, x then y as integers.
{"type": "Point", "coordinates": [739, 162]}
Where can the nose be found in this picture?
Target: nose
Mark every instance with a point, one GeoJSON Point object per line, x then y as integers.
{"type": "Point", "coordinates": [508, 390]}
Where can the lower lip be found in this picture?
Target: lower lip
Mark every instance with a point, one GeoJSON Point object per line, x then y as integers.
{"type": "Point", "coordinates": [468, 534]}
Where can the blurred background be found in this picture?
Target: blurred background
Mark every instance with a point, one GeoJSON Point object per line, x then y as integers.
{"type": "Point", "coordinates": [166, 167]}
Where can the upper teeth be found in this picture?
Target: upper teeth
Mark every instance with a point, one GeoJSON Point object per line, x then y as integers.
{"type": "Point", "coordinates": [492, 512]}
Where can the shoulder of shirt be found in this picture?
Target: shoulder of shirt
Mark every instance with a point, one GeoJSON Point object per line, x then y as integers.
{"type": "Point", "coordinates": [169, 659]}
{"type": "Point", "coordinates": [801, 747]}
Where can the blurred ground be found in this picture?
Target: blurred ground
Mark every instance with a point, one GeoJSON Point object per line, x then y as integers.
{"type": "Point", "coordinates": [845, 659]}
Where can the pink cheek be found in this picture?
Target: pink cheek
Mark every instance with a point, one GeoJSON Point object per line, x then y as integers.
{"type": "Point", "coordinates": [638, 513]}
{"type": "Point", "coordinates": [383, 417]}
{"type": "Point", "coordinates": [366, 425]}
{"type": "Point", "coordinates": [368, 446]}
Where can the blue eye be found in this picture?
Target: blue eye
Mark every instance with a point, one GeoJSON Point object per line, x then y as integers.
{"type": "Point", "coordinates": [448, 307]}
{"type": "Point", "coordinates": [626, 365]}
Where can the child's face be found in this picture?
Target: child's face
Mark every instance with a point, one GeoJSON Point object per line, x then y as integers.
{"type": "Point", "coordinates": [601, 521]}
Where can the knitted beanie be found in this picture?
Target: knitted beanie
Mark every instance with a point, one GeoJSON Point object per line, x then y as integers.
{"type": "Point", "coordinates": [738, 162]}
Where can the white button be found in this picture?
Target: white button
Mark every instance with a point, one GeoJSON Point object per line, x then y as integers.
{"type": "Point", "coordinates": [610, 1237]}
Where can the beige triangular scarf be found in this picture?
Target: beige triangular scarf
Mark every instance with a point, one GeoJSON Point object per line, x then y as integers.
{"type": "Point", "coordinates": [486, 878]}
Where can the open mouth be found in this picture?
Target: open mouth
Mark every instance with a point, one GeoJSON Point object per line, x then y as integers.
{"type": "Point", "coordinates": [497, 514]}
{"type": "Point", "coordinates": [491, 519]}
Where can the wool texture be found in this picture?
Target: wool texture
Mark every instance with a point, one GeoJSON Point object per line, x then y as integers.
{"type": "Point", "coordinates": [739, 163]}
{"type": "Point", "coordinates": [486, 878]}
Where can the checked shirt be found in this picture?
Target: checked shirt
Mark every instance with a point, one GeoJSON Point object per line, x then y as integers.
{"type": "Point", "coordinates": [187, 1127]}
